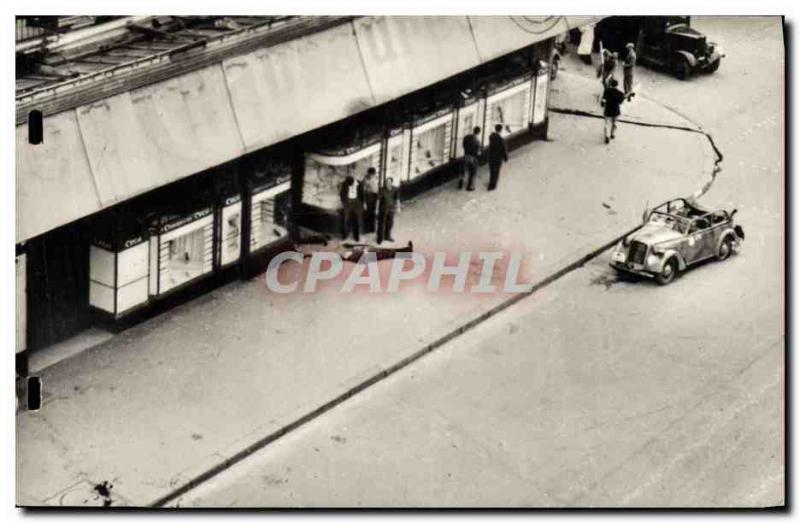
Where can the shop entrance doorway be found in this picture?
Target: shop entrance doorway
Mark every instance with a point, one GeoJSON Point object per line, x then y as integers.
{"type": "Point", "coordinates": [58, 285]}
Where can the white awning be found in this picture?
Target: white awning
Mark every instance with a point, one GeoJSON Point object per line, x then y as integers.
{"type": "Point", "coordinates": [286, 90]}
{"type": "Point", "coordinates": [404, 53]}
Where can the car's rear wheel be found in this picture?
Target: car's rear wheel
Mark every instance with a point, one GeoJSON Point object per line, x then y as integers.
{"type": "Point", "coordinates": [668, 272]}
{"type": "Point", "coordinates": [725, 249]}
{"type": "Point", "coordinates": [680, 68]}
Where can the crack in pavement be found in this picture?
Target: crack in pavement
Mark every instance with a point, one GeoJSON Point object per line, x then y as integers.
{"type": "Point", "coordinates": [698, 130]}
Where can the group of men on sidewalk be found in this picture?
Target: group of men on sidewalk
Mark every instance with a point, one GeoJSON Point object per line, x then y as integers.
{"type": "Point", "coordinates": [612, 97]}
{"type": "Point", "coordinates": [369, 207]}
{"type": "Point", "coordinates": [496, 154]}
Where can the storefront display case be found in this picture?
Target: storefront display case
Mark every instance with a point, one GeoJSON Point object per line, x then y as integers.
{"type": "Point", "coordinates": [181, 250]}
{"type": "Point", "coordinates": [396, 154]}
{"type": "Point", "coordinates": [508, 104]}
{"type": "Point", "coordinates": [118, 272]}
{"type": "Point", "coordinates": [470, 114]}
{"type": "Point", "coordinates": [431, 142]}
{"type": "Point", "coordinates": [229, 230]}
{"type": "Point", "coordinates": [326, 169]}
{"type": "Point", "coordinates": [539, 94]}
{"type": "Point", "coordinates": [269, 205]}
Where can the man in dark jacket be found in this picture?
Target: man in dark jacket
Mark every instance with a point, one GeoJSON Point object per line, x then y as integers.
{"type": "Point", "coordinates": [388, 204]}
{"type": "Point", "coordinates": [352, 195]}
{"type": "Point", "coordinates": [472, 151]}
{"type": "Point", "coordinates": [612, 99]}
{"type": "Point", "coordinates": [498, 153]}
{"type": "Point", "coordinates": [371, 189]}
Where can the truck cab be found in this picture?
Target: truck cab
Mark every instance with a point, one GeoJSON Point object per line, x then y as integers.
{"type": "Point", "coordinates": [670, 42]}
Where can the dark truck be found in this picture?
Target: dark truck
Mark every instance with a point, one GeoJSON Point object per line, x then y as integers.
{"type": "Point", "coordinates": [665, 42]}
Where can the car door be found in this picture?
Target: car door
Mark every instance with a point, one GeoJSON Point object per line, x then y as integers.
{"type": "Point", "coordinates": [699, 241]}
{"type": "Point", "coordinates": [691, 244]}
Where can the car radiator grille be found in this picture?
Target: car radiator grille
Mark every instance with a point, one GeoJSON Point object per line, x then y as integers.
{"type": "Point", "coordinates": [636, 252]}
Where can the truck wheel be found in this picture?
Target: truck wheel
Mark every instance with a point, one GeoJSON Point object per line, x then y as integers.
{"type": "Point", "coordinates": [680, 68]}
{"type": "Point", "coordinates": [668, 273]}
{"type": "Point", "coordinates": [725, 249]}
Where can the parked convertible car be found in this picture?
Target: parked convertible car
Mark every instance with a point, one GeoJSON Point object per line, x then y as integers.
{"type": "Point", "coordinates": [676, 235]}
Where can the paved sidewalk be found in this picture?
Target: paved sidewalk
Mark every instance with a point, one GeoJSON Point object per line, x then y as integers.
{"type": "Point", "coordinates": [170, 398]}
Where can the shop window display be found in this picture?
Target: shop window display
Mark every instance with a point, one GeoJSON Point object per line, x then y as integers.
{"type": "Point", "coordinates": [325, 172]}
{"type": "Point", "coordinates": [430, 143]}
{"type": "Point", "coordinates": [509, 108]}
{"type": "Point", "coordinates": [118, 274]}
{"type": "Point", "coordinates": [230, 230]}
{"type": "Point", "coordinates": [397, 155]}
{"type": "Point", "coordinates": [469, 116]}
{"type": "Point", "coordinates": [183, 248]}
{"type": "Point", "coordinates": [269, 215]}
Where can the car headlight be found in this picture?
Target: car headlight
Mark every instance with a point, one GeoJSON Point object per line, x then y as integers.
{"type": "Point", "coordinates": [626, 241]}
{"type": "Point", "coordinates": [653, 260]}
{"type": "Point", "coordinates": [719, 50]}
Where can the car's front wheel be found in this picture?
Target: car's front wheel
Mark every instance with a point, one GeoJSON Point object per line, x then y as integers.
{"type": "Point", "coordinates": [725, 249]}
{"type": "Point", "coordinates": [668, 272]}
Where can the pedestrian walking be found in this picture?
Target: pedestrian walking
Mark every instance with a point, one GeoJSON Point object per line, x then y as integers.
{"type": "Point", "coordinates": [498, 153]}
{"type": "Point", "coordinates": [627, 70]}
{"type": "Point", "coordinates": [472, 152]}
{"type": "Point", "coordinates": [388, 205]}
{"type": "Point", "coordinates": [612, 99]}
{"type": "Point", "coordinates": [371, 188]}
{"type": "Point", "coordinates": [352, 195]}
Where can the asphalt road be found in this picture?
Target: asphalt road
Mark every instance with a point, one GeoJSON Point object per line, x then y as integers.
{"type": "Point", "coordinates": [594, 391]}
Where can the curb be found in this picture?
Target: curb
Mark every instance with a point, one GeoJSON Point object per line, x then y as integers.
{"type": "Point", "coordinates": [260, 443]}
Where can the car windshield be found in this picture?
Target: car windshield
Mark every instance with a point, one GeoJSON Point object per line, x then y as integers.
{"type": "Point", "coordinates": [676, 223]}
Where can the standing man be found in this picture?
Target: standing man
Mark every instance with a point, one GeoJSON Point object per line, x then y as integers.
{"type": "Point", "coordinates": [607, 67]}
{"type": "Point", "coordinates": [627, 70]}
{"type": "Point", "coordinates": [498, 153]}
{"type": "Point", "coordinates": [388, 204]}
{"type": "Point", "coordinates": [472, 151]}
{"type": "Point", "coordinates": [612, 99]}
{"type": "Point", "coordinates": [371, 189]}
{"type": "Point", "coordinates": [352, 195]}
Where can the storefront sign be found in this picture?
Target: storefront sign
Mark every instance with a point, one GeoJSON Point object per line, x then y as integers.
{"type": "Point", "coordinates": [186, 219]}
{"type": "Point", "coordinates": [274, 182]}
{"type": "Point", "coordinates": [508, 85]}
{"type": "Point", "coordinates": [233, 199]}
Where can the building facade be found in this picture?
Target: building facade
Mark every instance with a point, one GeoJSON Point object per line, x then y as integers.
{"type": "Point", "coordinates": [174, 154]}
